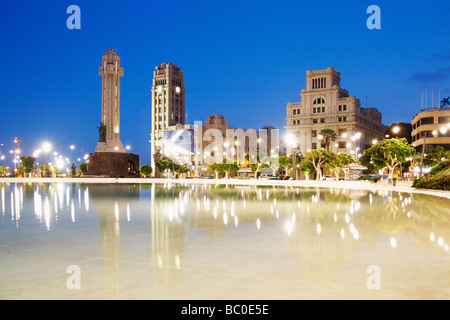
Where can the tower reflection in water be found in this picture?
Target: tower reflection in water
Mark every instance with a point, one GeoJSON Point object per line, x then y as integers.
{"type": "Point", "coordinates": [322, 228]}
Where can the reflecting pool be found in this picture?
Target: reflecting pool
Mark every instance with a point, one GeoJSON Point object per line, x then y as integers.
{"type": "Point", "coordinates": [202, 241]}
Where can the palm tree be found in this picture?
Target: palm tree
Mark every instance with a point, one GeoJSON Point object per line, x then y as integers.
{"type": "Point", "coordinates": [328, 136]}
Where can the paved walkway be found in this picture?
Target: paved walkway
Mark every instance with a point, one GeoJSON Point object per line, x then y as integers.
{"type": "Point", "coordinates": [402, 186]}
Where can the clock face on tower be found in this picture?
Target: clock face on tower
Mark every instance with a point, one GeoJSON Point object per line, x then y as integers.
{"type": "Point", "coordinates": [177, 89]}
{"type": "Point", "coordinates": [159, 89]}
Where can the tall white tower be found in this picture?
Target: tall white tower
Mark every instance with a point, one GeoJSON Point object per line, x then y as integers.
{"type": "Point", "coordinates": [109, 128]}
{"type": "Point", "coordinates": [168, 103]}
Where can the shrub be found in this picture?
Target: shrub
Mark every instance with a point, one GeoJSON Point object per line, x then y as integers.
{"type": "Point", "coordinates": [146, 170]}
{"type": "Point", "coordinates": [441, 166]}
{"type": "Point", "coordinates": [435, 182]}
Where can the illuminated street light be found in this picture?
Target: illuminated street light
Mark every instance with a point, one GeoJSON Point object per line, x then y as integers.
{"type": "Point", "coordinates": [292, 141]}
{"type": "Point", "coordinates": [46, 147]}
{"type": "Point", "coordinates": [423, 150]}
{"type": "Point", "coordinates": [396, 130]}
{"type": "Point", "coordinates": [60, 164]}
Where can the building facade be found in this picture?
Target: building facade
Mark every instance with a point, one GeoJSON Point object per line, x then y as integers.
{"type": "Point", "coordinates": [168, 103]}
{"type": "Point", "coordinates": [198, 145]}
{"type": "Point", "coordinates": [431, 128]}
{"type": "Point", "coordinates": [325, 105]}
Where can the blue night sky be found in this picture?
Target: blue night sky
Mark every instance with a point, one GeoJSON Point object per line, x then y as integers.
{"type": "Point", "coordinates": [243, 59]}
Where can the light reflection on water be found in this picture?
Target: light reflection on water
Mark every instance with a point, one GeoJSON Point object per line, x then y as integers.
{"type": "Point", "coordinates": [204, 241]}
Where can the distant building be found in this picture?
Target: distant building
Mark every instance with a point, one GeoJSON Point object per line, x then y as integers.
{"type": "Point", "coordinates": [198, 145]}
{"type": "Point", "coordinates": [325, 105]}
{"type": "Point", "coordinates": [190, 144]}
{"type": "Point", "coordinates": [431, 128]}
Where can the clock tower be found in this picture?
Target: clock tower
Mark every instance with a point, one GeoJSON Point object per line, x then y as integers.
{"type": "Point", "coordinates": [168, 103]}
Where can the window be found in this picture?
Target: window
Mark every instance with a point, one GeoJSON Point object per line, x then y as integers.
{"type": "Point", "coordinates": [342, 119]}
{"type": "Point", "coordinates": [341, 132]}
{"type": "Point", "coordinates": [318, 83]}
{"type": "Point", "coordinates": [323, 109]}
{"type": "Point", "coordinates": [295, 111]}
{"type": "Point", "coordinates": [428, 120]}
{"type": "Point", "coordinates": [342, 107]}
{"type": "Point", "coordinates": [444, 120]}
{"type": "Point", "coordinates": [315, 121]}
{"type": "Point", "coordinates": [322, 120]}
{"type": "Point", "coordinates": [314, 146]}
{"type": "Point", "coordinates": [314, 133]}
{"type": "Point", "coordinates": [342, 144]}
{"type": "Point", "coordinates": [319, 101]}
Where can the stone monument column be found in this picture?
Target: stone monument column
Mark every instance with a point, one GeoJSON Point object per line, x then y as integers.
{"type": "Point", "coordinates": [109, 128]}
{"type": "Point", "coordinates": [110, 158]}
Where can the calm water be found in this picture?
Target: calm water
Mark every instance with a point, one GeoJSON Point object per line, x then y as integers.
{"type": "Point", "coordinates": [122, 241]}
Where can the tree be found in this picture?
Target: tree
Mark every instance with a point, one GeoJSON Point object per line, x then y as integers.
{"type": "Point", "coordinates": [3, 170]}
{"type": "Point", "coordinates": [435, 155]}
{"type": "Point", "coordinates": [226, 167]}
{"type": "Point", "coordinates": [180, 168]}
{"type": "Point", "coordinates": [27, 163]}
{"type": "Point", "coordinates": [272, 162]}
{"type": "Point", "coordinates": [337, 161]}
{"type": "Point", "coordinates": [328, 136]}
{"type": "Point", "coordinates": [285, 163]}
{"type": "Point", "coordinates": [83, 167]}
{"type": "Point", "coordinates": [254, 161]}
{"type": "Point", "coordinates": [146, 170]}
{"type": "Point", "coordinates": [165, 164]}
{"type": "Point", "coordinates": [318, 158]}
{"type": "Point", "coordinates": [307, 168]}
{"type": "Point", "coordinates": [229, 168]}
{"type": "Point", "coordinates": [390, 153]}
{"type": "Point", "coordinates": [217, 168]}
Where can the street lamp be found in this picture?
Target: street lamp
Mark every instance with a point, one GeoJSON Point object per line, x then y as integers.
{"type": "Point", "coordinates": [46, 147]}
{"type": "Point", "coordinates": [4, 158]}
{"type": "Point", "coordinates": [434, 133]}
{"type": "Point", "coordinates": [292, 141]}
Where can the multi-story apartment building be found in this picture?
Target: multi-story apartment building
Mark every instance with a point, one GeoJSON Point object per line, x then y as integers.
{"type": "Point", "coordinates": [431, 127]}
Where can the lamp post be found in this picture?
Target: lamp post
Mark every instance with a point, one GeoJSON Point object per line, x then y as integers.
{"type": "Point", "coordinates": [4, 158]}
{"type": "Point", "coordinates": [292, 141]}
{"type": "Point", "coordinates": [46, 147]}
{"type": "Point", "coordinates": [434, 133]}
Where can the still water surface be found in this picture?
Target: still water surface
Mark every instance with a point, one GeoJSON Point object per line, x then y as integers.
{"type": "Point", "coordinates": [172, 241]}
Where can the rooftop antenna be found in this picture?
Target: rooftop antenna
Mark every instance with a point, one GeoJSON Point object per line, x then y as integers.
{"type": "Point", "coordinates": [426, 102]}
{"type": "Point", "coordinates": [421, 102]}
{"type": "Point", "coordinates": [366, 102]}
{"type": "Point", "coordinates": [439, 98]}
